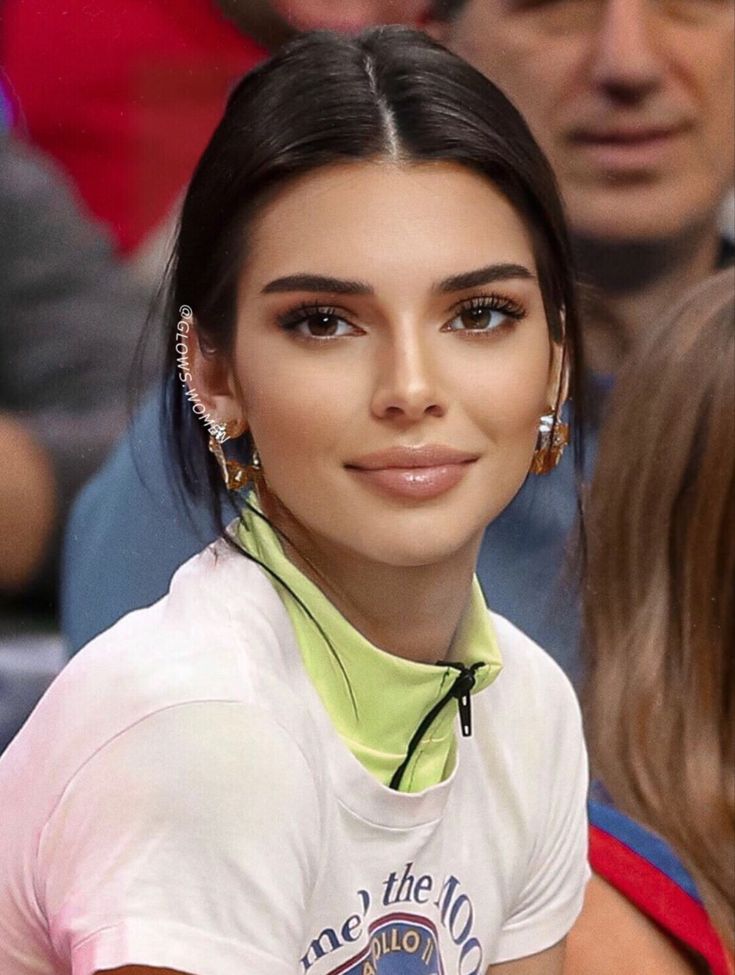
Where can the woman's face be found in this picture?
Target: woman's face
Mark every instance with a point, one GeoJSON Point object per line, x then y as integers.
{"type": "Point", "coordinates": [392, 357]}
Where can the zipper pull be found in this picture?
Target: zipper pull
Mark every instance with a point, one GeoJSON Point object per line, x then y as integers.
{"type": "Point", "coordinates": [465, 709]}
{"type": "Point", "coordinates": [461, 690]}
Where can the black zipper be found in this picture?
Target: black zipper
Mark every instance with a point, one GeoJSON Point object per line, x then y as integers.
{"type": "Point", "coordinates": [460, 691]}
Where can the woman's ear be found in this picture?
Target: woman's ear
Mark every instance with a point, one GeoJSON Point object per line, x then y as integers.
{"type": "Point", "coordinates": [207, 373]}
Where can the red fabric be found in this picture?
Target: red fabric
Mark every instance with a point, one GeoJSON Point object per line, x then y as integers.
{"type": "Point", "coordinates": [657, 896]}
{"type": "Point", "coordinates": [123, 95]}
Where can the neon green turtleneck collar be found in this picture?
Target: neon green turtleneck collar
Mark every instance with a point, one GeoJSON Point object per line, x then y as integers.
{"type": "Point", "coordinates": [376, 700]}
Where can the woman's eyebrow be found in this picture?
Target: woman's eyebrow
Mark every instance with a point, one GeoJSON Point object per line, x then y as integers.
{"type": "Point", "coordinates": [319, 283]}
{"type": "Point", "coordinates": [483, 275]}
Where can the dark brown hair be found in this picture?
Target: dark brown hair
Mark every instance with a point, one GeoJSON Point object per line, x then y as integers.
{"type": "Point", "coordinates": [660, 595]}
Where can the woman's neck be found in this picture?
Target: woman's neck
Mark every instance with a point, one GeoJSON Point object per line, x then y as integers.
{"type": "Point", "coordinates": [413, 612]}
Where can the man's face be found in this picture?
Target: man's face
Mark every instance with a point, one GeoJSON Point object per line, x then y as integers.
{"type": "Point", "coordinates": [632, 100]}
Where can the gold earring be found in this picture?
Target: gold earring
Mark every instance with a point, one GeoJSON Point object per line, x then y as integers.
{"type": "Point", "coordinates": [553, 436]}
{"type": "Point", "coordinates": [234, 474]}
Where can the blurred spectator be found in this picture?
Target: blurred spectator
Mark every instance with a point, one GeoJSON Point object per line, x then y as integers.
{"type": "Point", "coordinates": [126, 95]}
{"type": "Point", "coordinates": [69, 320]}
{"type": "Point", "coordinates": [71, 317]}
{"type": "Point", "coordinates": [652, 236]}
{"type": "Point", "coordinates": [660, 640]}
{"type": "Point", "coordinates": [633, 101]}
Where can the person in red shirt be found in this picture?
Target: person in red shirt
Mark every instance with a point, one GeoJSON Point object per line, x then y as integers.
{"type": "Point", "coordinates": [126, 95]}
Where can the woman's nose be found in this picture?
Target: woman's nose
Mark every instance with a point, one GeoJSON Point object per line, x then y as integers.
{"type": "Point", "coordinates": [407, 381]}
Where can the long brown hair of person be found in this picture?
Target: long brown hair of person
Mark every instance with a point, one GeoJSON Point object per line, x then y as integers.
{"type": "Point", "coordinates": [660, 594]}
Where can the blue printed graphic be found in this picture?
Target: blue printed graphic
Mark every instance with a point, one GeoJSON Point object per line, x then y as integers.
{"type": "Point", "coordinates": [399, 944]}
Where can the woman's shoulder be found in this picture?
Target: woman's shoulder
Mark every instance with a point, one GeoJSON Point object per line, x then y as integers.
{"type": "Point", "coordinates": [527, 667]}
{"type": "Point", "coordinates": [218, 637]}
{"type": "Point", "coordinates": [220, 613]}
{"type": "Point", "coordinates": [531, 713]}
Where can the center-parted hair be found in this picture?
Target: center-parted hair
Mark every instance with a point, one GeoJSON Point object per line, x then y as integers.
{"type": "Point", "coordinates": [390, 93]}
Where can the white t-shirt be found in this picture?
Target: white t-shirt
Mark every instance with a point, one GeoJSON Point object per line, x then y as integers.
{"type": "Point", "coordinates": [179, 798]}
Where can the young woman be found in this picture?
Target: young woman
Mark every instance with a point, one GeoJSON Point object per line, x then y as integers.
{"type": "Point", "coordinates": [264, 771]}
{"type": "Point", "coordinates": [660, 619]}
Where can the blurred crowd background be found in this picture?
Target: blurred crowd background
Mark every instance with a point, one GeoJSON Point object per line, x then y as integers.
{"type": "Point", "coordinates": [104, 109]}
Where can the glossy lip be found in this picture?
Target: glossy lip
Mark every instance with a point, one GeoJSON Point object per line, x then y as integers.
{"type": "Point", "coordinates": [413, 473]}
{"type": "Point", "coordinates": [426, 455]}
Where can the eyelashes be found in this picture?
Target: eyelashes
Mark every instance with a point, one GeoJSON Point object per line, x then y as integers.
{"type": "Point", "coordinates": [485, 314]}
{"type": "Point", "coordinates": [479, 315]}
{"type": "Point", "coordinates": [316, 321]}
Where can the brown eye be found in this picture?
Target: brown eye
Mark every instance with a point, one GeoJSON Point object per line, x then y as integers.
{"type": "Point", "coordinates": [321, 325]}
{"type": "Point", "coordinates": [314, 322]}
{"type": "Point", "coordinates": [479, 318]}
{"type": "Point", "coordinates": [485, 316]}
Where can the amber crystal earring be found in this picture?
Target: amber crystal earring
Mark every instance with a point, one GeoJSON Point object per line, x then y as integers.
{"type": "Point", "coordinates": [553, 436]}
{"type": "Point", "coordinates": [234, 474]}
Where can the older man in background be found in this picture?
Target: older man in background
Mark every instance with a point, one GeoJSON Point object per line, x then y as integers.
{"type": "Point", "coordinates": [632, 100]}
